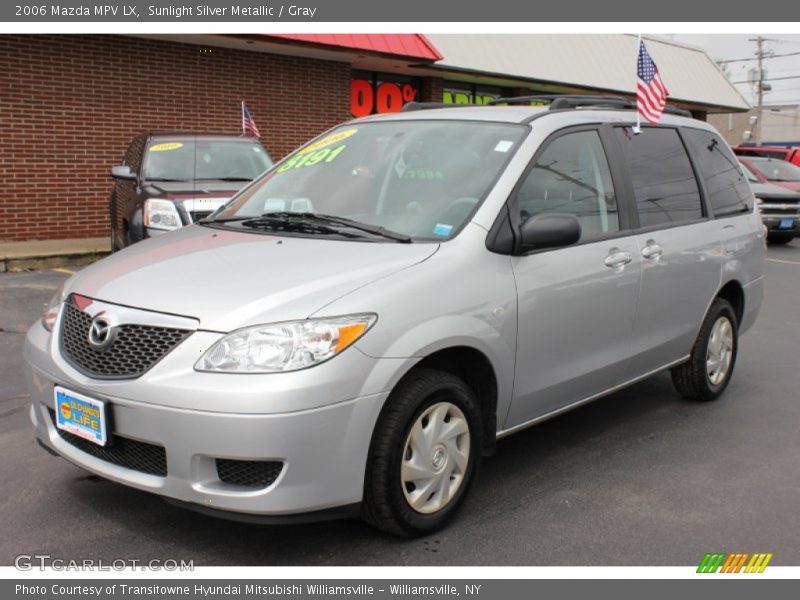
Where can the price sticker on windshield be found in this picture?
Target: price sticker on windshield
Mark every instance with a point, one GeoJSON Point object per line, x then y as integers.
{"type": "Point", "coordinates": [309, 159]}
{"type": "Point", "coordinates": [328, 140]}
{"type": "Point", "coordinates": [165, 147]}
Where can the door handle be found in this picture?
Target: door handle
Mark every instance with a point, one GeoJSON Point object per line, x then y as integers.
{"type": "Point", "coordinates": [617, 258]}
{"type": "Point", "coordinates": [652, 250]}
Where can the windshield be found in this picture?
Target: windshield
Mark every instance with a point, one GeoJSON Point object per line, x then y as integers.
{"type": "Point", "coordinates": [776, 170]}
{"type": "Point", "coordinates": [187, 159]}
{"type": "Point", "coordinates": [420, 179]}
{"type": "Point", "coordinates": [748, 173]}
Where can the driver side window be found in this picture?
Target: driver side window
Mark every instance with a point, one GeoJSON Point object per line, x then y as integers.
{"type": "Point", "coordinates": [572, 176]}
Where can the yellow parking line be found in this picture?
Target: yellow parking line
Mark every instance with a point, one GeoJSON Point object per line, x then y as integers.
{"type": "Point", "coordinates": [68, 272]}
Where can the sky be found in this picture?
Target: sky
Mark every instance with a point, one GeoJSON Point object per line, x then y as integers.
{"type": "Point", "coordinates": [730, 46]}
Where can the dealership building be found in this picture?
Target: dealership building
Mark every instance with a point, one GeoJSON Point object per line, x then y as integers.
{"type": "Point", "coordinates": [69, 105]}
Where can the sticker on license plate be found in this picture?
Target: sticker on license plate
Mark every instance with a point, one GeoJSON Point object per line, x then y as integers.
{"type": "Point", "coordinates": [786, 224]}
{"type": "Point", "coordinates": [81, 415]}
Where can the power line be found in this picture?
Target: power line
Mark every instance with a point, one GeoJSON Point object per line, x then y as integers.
{"type": "Point", "coordinates": [733, 60]}
{"type": "Point", "coordinates": [770, 79]}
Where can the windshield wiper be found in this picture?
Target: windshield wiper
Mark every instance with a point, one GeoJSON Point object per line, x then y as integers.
{"type": "Point", "coordinates": [292, 225]}
{"type": "Point", "coordinates": [224, 179]}
{"type": "Point", "coordinates": [167, 179]}
{"type": "Point", "coordinates": [343, 221]}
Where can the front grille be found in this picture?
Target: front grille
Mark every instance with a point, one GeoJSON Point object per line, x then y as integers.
{"type": "Point", "coordinates": [196, 215]}
{"type": "Point", "coordinates": [780, 207]}
{"type": "Point", "coordinates": [121, 451]}
{"type": "Point", "coordinates": [248, 473]}
{"type": "Point", "coordinates": [135, 349]}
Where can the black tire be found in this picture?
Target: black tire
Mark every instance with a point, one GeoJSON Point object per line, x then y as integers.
{"type": "Point", "coordinates": [779, 237]}
{"type": "Point", "coordinates": [691, 378]}
{"type": "Point", "coordinates": [384, 505]}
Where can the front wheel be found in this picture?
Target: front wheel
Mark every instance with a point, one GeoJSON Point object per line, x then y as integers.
{"type": "Point", "coordinates": [707, 372]}
{"type": "Point", "coordinates": [424, 454]}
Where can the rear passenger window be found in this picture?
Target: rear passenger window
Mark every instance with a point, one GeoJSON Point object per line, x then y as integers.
{"type": "Point", "coordinates": [572, 177]}
{"type": "Point", "coordinates": [728, 190]}
{"type": "Point", "coordinates": [663, 180]}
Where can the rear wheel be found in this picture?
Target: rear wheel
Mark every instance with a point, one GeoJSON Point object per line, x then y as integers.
{"type": "Point", "coordinates": [707, 372]}
{"type": "Point", "coordinates": [779, 237]}
{"type": "Point", "coordinates": [423, 455]}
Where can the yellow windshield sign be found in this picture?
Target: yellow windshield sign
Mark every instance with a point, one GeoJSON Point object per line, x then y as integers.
{"type": "Point", "coordinates": [329, 140]}
{"type": "Point", "coordinates": [166, 146]}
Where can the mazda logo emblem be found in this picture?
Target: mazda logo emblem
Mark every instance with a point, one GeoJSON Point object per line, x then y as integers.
{"type": "Point", "coordinates": [101, 333]}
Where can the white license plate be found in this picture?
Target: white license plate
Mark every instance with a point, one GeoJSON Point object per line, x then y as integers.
{"type": "Point", "coordinates": [81, 415]}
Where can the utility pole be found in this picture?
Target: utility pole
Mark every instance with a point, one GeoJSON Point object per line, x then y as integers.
{"type": "Point", "coordinates": [760, 105]}
{"type": "Point", "coordinates": [760, 89]}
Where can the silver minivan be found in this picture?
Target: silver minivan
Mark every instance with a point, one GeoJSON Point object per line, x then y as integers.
{"type": "Point", "coordinates": [355, 329]}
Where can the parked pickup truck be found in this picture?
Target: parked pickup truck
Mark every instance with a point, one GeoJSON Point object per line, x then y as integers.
{"type": "Point", "coordinates": [789, 153]}
{"type": "Point", "coordinates": [171, 179]}
{"type": "Point", "coordinates": [780, 208]}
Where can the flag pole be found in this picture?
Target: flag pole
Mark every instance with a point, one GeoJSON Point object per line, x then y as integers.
{"type": "Point", "coordinates": [637, 129]}
{"type": "Point", "coordinates": [242, 117]}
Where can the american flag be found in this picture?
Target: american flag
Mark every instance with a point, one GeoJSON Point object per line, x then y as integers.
{"type": "Point", "coordinates": [651, 95]}
{"type": "Point", "coordinates": [248, 124]}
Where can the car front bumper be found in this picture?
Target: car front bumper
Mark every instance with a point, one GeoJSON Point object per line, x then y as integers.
{"type": "Point", "coordinates": [776, 221]}
{"type": "Point", "coordinates": [321, 446]}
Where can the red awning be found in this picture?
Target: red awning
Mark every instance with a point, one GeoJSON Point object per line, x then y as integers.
{"type": "Point", "coordinates": [407, 45]}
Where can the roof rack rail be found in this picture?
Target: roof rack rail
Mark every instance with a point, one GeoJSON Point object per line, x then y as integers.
{"type": "Point", "coordinates": [411, 106]}
{"type": "Point", "coordinates": [555, 98]}
{"type": "Point", "coordinates": [555, 102]}
{"type": "Point", "coordinates": [561, 101]}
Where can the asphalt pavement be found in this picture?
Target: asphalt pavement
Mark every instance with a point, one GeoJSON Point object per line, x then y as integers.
{"type": "Point", "coordinates": [640, 477]}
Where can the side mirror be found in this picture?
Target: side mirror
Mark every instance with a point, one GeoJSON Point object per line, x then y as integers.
{"type": "Point", "coordinates": [123, 172]}
{"type": "Point", "coordinates": [549, 231]}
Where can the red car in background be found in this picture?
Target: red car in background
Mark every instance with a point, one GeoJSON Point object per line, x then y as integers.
{"type": "Point", "coordinates": [790, 154]}
{"type": "Point", "coordinates": [773, 170]}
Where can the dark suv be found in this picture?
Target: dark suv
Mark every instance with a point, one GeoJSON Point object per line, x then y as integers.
{"type": "Point", "coordinates": [171, 179]}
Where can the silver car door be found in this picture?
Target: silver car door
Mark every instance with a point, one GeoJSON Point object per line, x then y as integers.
{"type": "Point", "coordinates": [680, 247]}
{"type": "Point", "coordinates": [576, 304]}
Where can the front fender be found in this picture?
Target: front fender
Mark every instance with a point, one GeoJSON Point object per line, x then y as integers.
{"type": "Point", "coordinates": [462, 296]}
{"type": "Point", "coordinates": [452, 333]}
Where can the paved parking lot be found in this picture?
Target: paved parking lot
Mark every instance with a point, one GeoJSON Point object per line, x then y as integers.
{"type": "Point", "coordinates": [638, 478]}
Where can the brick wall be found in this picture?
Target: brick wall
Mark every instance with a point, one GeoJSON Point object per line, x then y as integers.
{"type": "Point", "coordinates": [69, 105]}
{"type": "Point", "coordinates": [432, 89]}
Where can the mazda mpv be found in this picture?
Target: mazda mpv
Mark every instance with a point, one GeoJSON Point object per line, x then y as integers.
{"type": "Point", "coordinates": [356, 329]}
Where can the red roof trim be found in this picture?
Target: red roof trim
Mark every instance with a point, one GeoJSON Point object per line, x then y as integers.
{"type": "Point", "coordinates": [406, 45]}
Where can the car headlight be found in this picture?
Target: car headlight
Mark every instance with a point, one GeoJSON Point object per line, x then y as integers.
{"type": "Point", "coordinates": [282, 347]}
{"type": "Point", "coordinates": [161, 214]}
{"type": "Point", "coordinates": [53, 307]}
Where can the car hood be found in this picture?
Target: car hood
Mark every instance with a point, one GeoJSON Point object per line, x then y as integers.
{"type": "Point", "coordinates": [789, 185]}
{"type": "Point", "coordinates": [231, 279]}
{"type": "Point", "coordinates": [194, 188]}
{"type": "Point", "coordinates": [772, 191]}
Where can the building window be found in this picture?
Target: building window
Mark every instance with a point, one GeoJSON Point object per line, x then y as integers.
{"type": "Point", "coordinates": [372, 92]}
{"type": "Point", "coordinates": [468, 93]}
